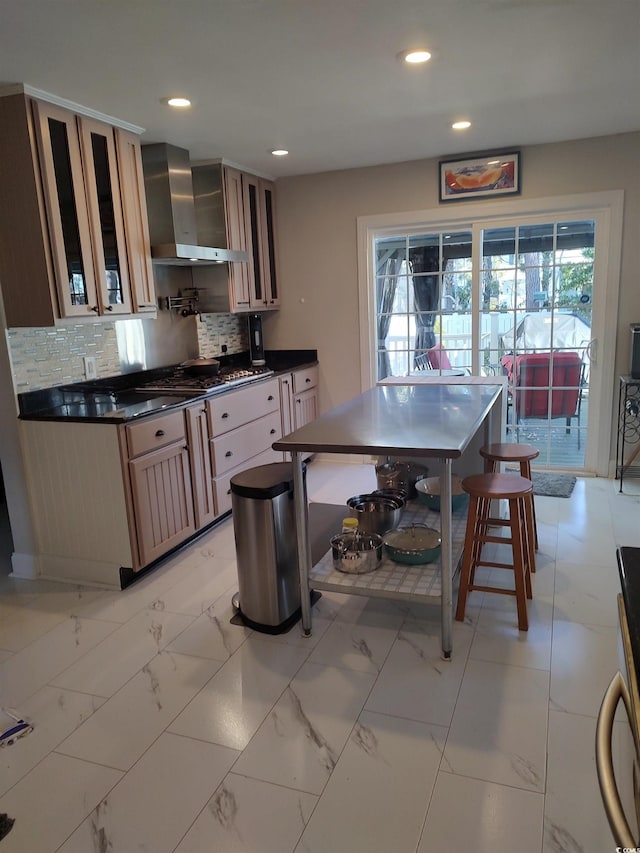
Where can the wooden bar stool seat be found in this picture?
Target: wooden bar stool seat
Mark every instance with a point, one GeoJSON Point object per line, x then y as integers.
{"type": "Point", "coordinates": [482, 489]}
{"type": "Point", "coordinates": [522, 454]}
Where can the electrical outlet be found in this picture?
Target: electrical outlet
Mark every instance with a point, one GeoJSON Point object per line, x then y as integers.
{"type": "Point", "coordinates": [90, 368]}
{"type": "Point", "coordinates": [223, 342]}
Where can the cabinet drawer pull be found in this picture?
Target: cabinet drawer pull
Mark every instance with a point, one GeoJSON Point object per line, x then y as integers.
{"type": "Point", "coordinates": [224, 415]}
{"type": "Point", "coordinates": [228, 453]}
{"type": "Point", "coordinates": [272, 432]}
{"type": "Point", "coordinates": [270, 397]}
{"type": "Point", "coordinates": [95, 308]}
{"type": "Point", "coordinates": [108, 308]}
{"type": "Point", "coordinates": [159, 433]}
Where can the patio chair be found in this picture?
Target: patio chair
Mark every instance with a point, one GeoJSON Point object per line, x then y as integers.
{"type": "Point", "coordinates": [533, 374]}
{"type": "Point", "coordinates": [438, 358]}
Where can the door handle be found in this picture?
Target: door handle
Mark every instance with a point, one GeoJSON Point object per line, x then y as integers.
{"type": "Point", "coordinates": [159, 433]}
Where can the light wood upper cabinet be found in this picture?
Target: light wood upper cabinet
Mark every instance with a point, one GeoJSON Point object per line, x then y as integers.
{"type": "Point", "coordinates": [259, 219]}
{"type": "Point", "coordinates": [65, 238]}
{"type": "Point", "coordinates": [239, 272]}
{"type": "Point", "coordinates": [106, 220]}
{"type": "Point", "coordinates": [136, 222]}
{"type": "Point", "coordinates": [67, 210]}
{"type": "Point", "coordinates": [245, 204]}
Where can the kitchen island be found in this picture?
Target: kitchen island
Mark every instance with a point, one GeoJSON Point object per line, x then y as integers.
{"type": "Point", "coordinates": [435, 419]}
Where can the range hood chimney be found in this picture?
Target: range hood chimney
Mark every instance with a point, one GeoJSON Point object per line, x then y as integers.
{"type": "Point", "coordinates": [173, 228]}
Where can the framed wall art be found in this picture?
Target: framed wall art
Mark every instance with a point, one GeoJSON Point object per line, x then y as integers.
{"type": "Point", "coordinates": [482, 176]}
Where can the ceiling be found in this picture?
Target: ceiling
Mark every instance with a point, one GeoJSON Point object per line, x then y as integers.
{"type": "Point", "coordinates": [322, 78]}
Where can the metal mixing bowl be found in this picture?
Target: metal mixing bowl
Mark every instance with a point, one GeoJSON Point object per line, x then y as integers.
{"type": "Point", "coordinates": [429, 493]}
{"type": "Point", "coordinates": [376, 513]}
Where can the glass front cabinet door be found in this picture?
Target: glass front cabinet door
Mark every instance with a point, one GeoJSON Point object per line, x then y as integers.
{"type": "Point", "coordinates": [80, 182]}
{"type": "Point", "coordinates": [259, 213]}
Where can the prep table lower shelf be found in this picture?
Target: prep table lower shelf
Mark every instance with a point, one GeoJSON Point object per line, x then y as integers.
{"type": "Point", "coordinates": [396, 580]}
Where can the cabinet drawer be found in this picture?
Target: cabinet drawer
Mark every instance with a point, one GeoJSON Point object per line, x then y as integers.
{"type": "Point", "coordinates": [234, 408]}
{"type": "Point", "coordinates": [153, 433]}
{"type": "Point", "coordinates": [222, 485]}
{"type": "Point", "coordinates": [233, 448]}
{"type": "Point", "coordinates": [303, 379]}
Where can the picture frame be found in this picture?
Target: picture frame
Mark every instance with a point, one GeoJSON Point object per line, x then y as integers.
{"type": "Point", "coordinates": [480, 176]}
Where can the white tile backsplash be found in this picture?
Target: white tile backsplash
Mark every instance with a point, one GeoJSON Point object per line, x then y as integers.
{"type": "Point", "coordinates": [45, 357]}
{"type": "Point", "coordinates": [215, 329]}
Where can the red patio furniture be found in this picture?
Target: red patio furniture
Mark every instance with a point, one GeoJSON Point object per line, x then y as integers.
{"type": "Point", "coordinates": [438, 358]}
{"type": "Point", "coordinates": [545, 385]}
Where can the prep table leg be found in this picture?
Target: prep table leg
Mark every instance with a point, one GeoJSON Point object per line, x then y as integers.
{"type": "Point", "coordinates": [302, 532]}
{"type": "Point", "coordinates": [446, 561]}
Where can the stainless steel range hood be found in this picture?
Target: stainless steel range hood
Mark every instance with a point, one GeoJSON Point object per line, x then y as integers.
{"type": "Point", "coordinates": [176, 238]}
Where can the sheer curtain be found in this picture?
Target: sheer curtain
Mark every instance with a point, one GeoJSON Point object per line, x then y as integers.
{"type": "Point", "coordinates": [386, 285]}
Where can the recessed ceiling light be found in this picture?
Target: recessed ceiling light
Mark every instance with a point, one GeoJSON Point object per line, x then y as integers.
{"type": "Point", "coordinates": [416, 57]}
{"type": "Point", "coordinates": [178, 102]}
{"type": "Point", "coordinates": [461, 125]}
{"type": "Point", "coordinates": [279, 152]}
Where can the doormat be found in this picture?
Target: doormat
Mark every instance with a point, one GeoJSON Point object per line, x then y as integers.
{"type": "Point", "coordinates": [551, 485]}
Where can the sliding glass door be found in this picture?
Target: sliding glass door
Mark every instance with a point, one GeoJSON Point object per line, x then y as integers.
{"type": "Point", "coordinates": [512, 297]}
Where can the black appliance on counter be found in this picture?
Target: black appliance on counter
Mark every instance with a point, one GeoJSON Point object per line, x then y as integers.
{"type": "Point", "coordinates": [634, 360]}
{"type": "Point", "coordinates": [256, 340]}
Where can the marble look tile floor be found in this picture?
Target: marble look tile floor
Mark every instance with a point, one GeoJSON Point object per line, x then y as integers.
{"type": "Point", "coordinates": [161, 727]}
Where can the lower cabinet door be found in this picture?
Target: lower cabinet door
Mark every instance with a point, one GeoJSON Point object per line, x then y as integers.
{"type": "Point", "coordinates": [198, 435]}
{"type": "Point", "coordinates": [162, 500]}
{"type": "Point", "coordinates": [305, 407]}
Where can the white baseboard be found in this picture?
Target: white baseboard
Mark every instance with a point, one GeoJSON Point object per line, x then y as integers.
{"type": "Point", "coordinates": [24, 566]}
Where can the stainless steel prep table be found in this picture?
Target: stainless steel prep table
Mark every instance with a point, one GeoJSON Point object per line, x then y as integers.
{"type": "Point", "coordinates": [435, 421]}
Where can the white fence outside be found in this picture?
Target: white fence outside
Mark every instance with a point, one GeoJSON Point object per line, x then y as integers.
{"type": "Point", "coordinates": [456, 339]}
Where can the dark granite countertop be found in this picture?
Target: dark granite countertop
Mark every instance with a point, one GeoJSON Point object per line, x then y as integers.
{"type": "Point", "coordinates": [629, 569]}
{"type": "Point", "coordinates": [114, 399]}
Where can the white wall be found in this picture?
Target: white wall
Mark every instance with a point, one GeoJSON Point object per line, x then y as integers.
{"type": "Point", "coordinates": [318, 252]}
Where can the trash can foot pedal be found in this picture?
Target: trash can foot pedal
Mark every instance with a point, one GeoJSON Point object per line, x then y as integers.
{"type": "Point", "coordinates": [240, 619]}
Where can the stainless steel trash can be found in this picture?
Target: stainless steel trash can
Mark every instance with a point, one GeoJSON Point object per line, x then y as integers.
{"type": "Point", "coordinates": [266, 547]}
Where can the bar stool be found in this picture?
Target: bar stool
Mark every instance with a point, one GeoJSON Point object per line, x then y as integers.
{"type": "Point", "coordinates": [483, 488]}
{"type": "Point", "coordinates": [522, 454]}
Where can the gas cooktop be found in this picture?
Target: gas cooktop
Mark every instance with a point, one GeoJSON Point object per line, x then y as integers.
{"type": "Point", "coordinates": [181, 383]}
